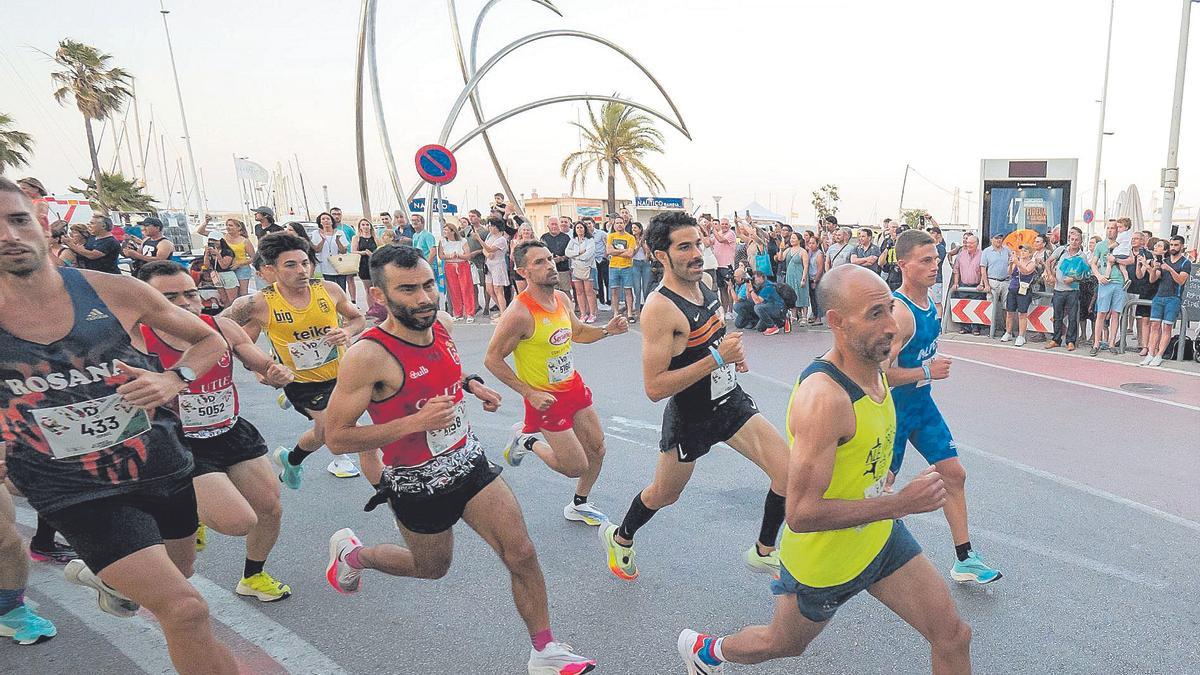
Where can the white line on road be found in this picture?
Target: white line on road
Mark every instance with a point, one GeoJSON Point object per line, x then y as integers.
{"type": "Point", "coordinates": [146, 643]}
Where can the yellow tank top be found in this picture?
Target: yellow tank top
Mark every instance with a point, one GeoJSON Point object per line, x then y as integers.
{"type": "Point", "coordinates": [239, 251]}
{"type": "Point", "coordinates": [833, 557]}
{"type": "Point", "coordinates": [544, 359]}
{"type": "Point", "coordinates": [296, 333]}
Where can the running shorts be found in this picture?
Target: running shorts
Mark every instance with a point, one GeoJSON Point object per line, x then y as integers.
{"type": "Point", "coordinates": [693, 434]}
{"type": "Point", "coordinates": [918, 421]}
{"type": "Point", "coordinates": [439, 510]}
{"type": "Point", "coordinates": [308, 396]}
{"type": "Point", "coordinates": [820, 604]}
{"type": "Point", "coordinates": [108, 529]}
{"type": "Point", "coordinates": [215, 454]}
{"type": "Point", "coordinates": [560, 416]}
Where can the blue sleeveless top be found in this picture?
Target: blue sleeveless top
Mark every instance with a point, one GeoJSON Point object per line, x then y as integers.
{"type": "Point", "coordinates": [920, 348]}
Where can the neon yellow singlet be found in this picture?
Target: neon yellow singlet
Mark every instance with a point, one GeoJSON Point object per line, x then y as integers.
{"type": "Point", "coordinates": [833, 557]}
{"type": "Point", "coordinates": [544, 360]}
{"type": "Point", "coordinates": [296, 333]}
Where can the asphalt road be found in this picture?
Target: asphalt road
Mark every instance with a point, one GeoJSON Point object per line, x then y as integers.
{"type": "Point", "coordinates": [1081, 493]}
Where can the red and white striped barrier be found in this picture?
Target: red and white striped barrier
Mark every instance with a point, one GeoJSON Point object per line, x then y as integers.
{"type": "Point", "coordinates": [971, 311]}
{"type": "Point", "coordinates": [1041, 319]}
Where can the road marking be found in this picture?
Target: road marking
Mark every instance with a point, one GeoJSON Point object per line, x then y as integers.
{"type": "Point", "coordinates": [1097, 387]}
{"type": "Point", "coordinates": [634, 424]}
{"type": "Point", "coordinates": [1175, 370]}
{"type": "Point", "coordinates": [285, 647]}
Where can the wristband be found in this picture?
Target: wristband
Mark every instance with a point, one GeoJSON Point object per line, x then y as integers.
{"type": "Point", "coordinates": [466, 382]}
{"type": "Point", "coordinates": [712, 349]}
{"type": "Point", "coordinates": [925, 369]}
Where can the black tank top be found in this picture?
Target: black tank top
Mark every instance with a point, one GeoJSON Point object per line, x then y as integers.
{"type": "Point", "coordinates": [706, 327]}
{"type": "Point", "coordinates": [70, 437]}
{"type": "Point", "coordinates": [364, 262]}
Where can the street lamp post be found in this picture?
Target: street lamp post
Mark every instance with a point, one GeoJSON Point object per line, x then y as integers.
{"type": "Point", "coordinates": [717, 199]}
{"type": "Point", "coordinates": [1170, 173]}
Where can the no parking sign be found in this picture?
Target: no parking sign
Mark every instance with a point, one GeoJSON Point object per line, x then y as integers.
{"type": "Point", "coordinates": [436, 164]}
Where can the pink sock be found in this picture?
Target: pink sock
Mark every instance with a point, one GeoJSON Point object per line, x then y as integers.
{"type": "Point", "coordinates": [351, 558]}
{"type": "Point", "coordinates": [541, 639]}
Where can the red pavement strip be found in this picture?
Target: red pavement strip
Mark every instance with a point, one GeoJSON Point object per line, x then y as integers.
{"type": "Point", "coordinates": [1099, 372]}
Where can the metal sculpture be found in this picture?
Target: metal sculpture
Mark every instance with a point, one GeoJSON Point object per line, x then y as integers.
{"type": "Point", "coordinates": [472, 76]}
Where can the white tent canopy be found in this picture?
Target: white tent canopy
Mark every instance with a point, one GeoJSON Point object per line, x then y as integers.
{"type": "Point", "coordinates": [759, 213]}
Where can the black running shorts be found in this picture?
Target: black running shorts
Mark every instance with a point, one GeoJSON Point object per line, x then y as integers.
{"type": "Point", "coordinates": [691, 435]}
{"type": "Point", "coordinates": [108, 529]}
{"type": "Point", "coordinates": [433, 513]}
{"type": "Point", "coordinates": [215, 454]}
{"type": "Point", "coordinates": [308, 396]}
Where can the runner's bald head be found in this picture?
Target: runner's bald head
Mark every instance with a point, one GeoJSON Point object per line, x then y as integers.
{"type": "Point", "coordinates": [843, 286]}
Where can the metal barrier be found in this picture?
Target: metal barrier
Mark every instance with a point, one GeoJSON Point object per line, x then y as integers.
{"type": "Point", "coordinates": [1127, 313]}
{"type": "Point", "coordinates": [999, 314]}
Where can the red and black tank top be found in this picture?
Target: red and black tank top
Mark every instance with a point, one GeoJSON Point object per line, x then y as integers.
{"type": "Point", "coordinates": [209, 407]}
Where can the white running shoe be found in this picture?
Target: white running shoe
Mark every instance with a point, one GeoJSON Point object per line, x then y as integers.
{"type": "Point", "coordinates": [515, 451]}
{"type": "Point", "coordinates": [339, 574]}
{"type": "Point", "coordinates": [1020, 341]}
{"type": "Point", "coordinates": [283, 401]}
{"type": "Point", "coordinates": [1155, 362]}
{"type": "Point", "coordinates": [557, 659]}
{"type": "Point", "coordinates": [1007, 337]}
{"type": "Point", "coordinates": [342, 467]}
{"type": "Point", "coordinates": [688, 645]}
{"type": "Point", "coordinates": [1146, 361]}
{"type": "Point", "coordinates": [112, 602]}
{"type": "Point", "coordinates": [586, 513]}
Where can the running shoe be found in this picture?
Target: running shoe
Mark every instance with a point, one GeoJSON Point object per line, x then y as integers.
{"type": "Point", "coordinates": [591, 318]}
{"type": "Point", "coordinates": [289, 475]}
{"type": "Point", "coordinates": [1007, 337]}
{"type": "Point", "coordinates": [620, 558]}
{"type": "Point", "coordinates": [557, 659]}
{"type": "Point", "coordinates": [1155, 362]}
{"type": "Point", "coordinates": [690, 645]}
{"type": "Point", "coordinates": [763, 564]}
{"type": "Point", "coordinates": [1095, 351]}
{"type": "Point", "coordinates": [1146, 361]}
{"type": "Point", "coordinates": [27, 628]}
{"type": "Point", "coordinates": [586, 513]}
{"type": "Point", "coordinates": [1020, 341]}
{"type": "Point", "coordinates": [342, 467]}
{"type": "Point", "coordinates": [471, 319]}
{"type": "Point", "coordinates": [283, 401]}
{"type": "Point", "coordinates": [515, 451]}
{"type": "Point", "coordinates": [773, 330]}
{"type": "Point", "coordinates": [110, 600]}
{"type": "Point", "coordinates": [201, 538]}
{"type": "Point", "coordinates": [339, 574]}
{"type": "Point", "coordinates": [264, 587]}
{"type": "Point", "coordinates": [974, 569]}
{"type": "Point", "coordinates": [57, 552]}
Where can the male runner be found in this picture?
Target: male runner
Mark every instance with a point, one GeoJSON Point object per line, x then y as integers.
{"type": "Point", "coordinates": [301, 317]}
{"type": "Point", "coordinates": [17, 620]}
{"type": "Point", "coordinates": [236, 490]}
{"type": "Point", "coordinates": [539, 330]}
{"type": "Point", "coordinates": [407, 375]}
{"type": "Point", "coordinates": [687, 356]}
{"type": "Point", "coordinates": [844, 535]}
{"type": "Point", "coordinates": [914, 365]}
{"type": "Point", "coordinates": [87, 443]}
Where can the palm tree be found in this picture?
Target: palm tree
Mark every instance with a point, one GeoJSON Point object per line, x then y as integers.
{"type": "Point", "coordinates": [13, 145]}
{"type": "Point", "coordinates": [619, 139]}
{"type": "Point", "coordinates": [117, 193]}
{"type": "Point", "coordinates": [98, 90]}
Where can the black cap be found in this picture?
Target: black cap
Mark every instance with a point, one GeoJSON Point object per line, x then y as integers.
{"type": "Point", "coordinates": [151, 221]}
{"type": "Point", "coordinates": [266, 211]}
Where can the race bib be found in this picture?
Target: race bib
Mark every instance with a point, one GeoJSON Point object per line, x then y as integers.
{"type": "Point", "coordinates": [80, 428]}
{"type": "Point", "coordinates": [722, 380]}
{"type": "Point", "coordinates": [309, 354]}
{"type": "Point", "coordinates": [211, 409]}
{"type": "Point", "coordinates": [561, 368]}
{"type": "Point", "coordinates": [441, 440]}
{"type": "Point", "coordinates": [875, 489]}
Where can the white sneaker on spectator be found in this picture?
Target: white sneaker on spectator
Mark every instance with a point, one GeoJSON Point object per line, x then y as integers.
{"type": "Point", "coordinates": [1007, 337]}
{"type": "Point", "coordinates": [1155, 362]}
{"type": "Point", "coordinates": [1146, 361]}
{"type": "Point", "coordinates": [1020, 341]}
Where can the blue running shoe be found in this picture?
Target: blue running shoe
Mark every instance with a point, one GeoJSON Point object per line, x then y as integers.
{"type": "Point", "coordinates": [25, 627]}
{"type": "Point", "coordinates": [974, 569]}
{"type": "Point", "coordinates": [289, 475]}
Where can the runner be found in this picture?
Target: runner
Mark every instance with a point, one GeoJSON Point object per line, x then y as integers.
{"type": "Point", "coordinates": [17, 620]}
{"type": "Point", "coordinates": [557, 402]}
{"type": "Point", "coordinates": [914, 365]}
{"type": "Point", "coordinates": [407, 375]}
{"type": "Point", "coordinates": [844, 535]}
{"type": "Point", "coordinates": [687, 356]}
{"type": "Point", "coordinates": [301, 317]}
{"type": "Point", "coordinates": [236, 490]}
{"type": "Point", "coordinates": [87, 443]}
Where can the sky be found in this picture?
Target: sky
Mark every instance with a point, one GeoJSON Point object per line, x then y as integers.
{"type": "Point", "coordinates": [780, 97]}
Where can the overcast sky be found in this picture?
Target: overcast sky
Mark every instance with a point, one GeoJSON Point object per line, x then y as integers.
{"type": "Point", "coordinates": [780, 97]}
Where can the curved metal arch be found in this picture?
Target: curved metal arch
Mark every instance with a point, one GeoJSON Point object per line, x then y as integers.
{"type": "Point", "coordinates": [456, 109]}
{"type": "Point", "coordinates": [380, 120]}
{"type": "Point", "coordinates": [548, 101]}
{"type": "Point", "coordinates": [479, 26]}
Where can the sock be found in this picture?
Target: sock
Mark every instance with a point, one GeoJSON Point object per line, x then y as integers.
{"type": "Point", "coordinates": [528, 442]}
{"type": "Point", "coordinates": [11, 599]}
{"type": "Point", "coordinates": [541, 638]}
{"type": "Point", "coordinates": [638, 515]}
{"type": "Point", "coordinates": [352, 560]}
{"type": "Point", "coordinates": [580, 499]}
{"type": "Point", "coordinates": [710, 652]}
{"type": "Point", "coordinates": [961, 550]}
{"type": "Point", "coordinates": [297, 455]}
{"type": "Point", "coordinates": [44, 537]}
{"type": "Point", "coordinates": [772, 520]}
{"type": "Point", "coordinates": [252, 567]}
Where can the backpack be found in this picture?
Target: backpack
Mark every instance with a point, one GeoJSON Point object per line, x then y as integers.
{"type": "Point", "coordinates": [787, 294]}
